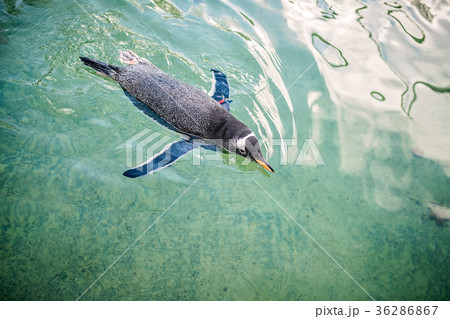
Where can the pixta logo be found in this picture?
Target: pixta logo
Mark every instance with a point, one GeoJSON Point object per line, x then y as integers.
{"type": "Point", "coordinates": [148, 146]}
{"type": "Point", "coordinates": [143, 146]}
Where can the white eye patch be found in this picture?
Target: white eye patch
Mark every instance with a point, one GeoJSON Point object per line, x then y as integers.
{"type": "Point", "coordinates": [240, 143]}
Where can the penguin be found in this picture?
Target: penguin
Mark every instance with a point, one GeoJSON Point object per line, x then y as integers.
{"type": "Point", "coordinates": [172, 152]}
{"type": "Point", "coordinates": [182, 106]}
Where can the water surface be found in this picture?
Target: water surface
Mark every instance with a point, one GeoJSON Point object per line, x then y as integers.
{"type": "Point", "coordinates": [368, 82]}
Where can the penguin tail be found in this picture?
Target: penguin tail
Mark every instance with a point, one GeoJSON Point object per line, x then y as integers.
{"type": "Point", "coordinates": [102, 68]}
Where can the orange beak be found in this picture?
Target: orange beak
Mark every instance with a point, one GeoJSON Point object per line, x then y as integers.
{"type": "Point", "coordinates": [265, 165]}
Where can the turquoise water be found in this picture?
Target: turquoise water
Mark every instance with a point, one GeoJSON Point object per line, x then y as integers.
{"type": "Point", "coordinates": [373, 98]}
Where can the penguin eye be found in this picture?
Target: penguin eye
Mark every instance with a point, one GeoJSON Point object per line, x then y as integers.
{"type": "Point", "coordinates": [241, 146]}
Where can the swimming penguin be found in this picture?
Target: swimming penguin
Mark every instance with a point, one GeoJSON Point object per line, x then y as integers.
{"type": "Point", "coordinates": [187, 109]}
{"type": "Point", "coordinates": [172, 152]}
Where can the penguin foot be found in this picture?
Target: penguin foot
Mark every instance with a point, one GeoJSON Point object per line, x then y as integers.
{"type": "Point", "coordinates": [129, 57]}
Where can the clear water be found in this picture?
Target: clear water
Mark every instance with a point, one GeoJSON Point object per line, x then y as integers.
{"type": "Point", "coordinates": [373, 97]}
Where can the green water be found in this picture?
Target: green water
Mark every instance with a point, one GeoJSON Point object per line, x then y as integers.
{"type": "Point", "coordinates": [374, 99]}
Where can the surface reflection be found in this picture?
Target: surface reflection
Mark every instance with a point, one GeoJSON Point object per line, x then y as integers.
{"type": "Point", "coordinates": [372, 99]}
{"type": "Point", "coordinates": [327, 12]}
{"type": "Point", "coordinates": [392, 52]}
{"type": "Point", "coordinates": [329, 52]}
{"type": "Point", "coordinates": [410, 28]}
{"type": "Point", "coordinates": [264, 111]}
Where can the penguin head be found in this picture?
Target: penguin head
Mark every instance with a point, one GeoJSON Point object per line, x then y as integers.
{"type": "Point", "coordinates": [248, 146]}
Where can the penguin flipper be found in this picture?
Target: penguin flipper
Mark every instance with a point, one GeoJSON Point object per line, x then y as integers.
{"type": "Point", "coordinates": [169, 155]}
{"type": "Point", "coordinates": [209, 147]}
{"type": "Point", "coordinates": [220, 90]}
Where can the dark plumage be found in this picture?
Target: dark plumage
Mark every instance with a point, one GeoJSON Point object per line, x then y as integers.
{"type": "Point", "coordinates": [185, 107]}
